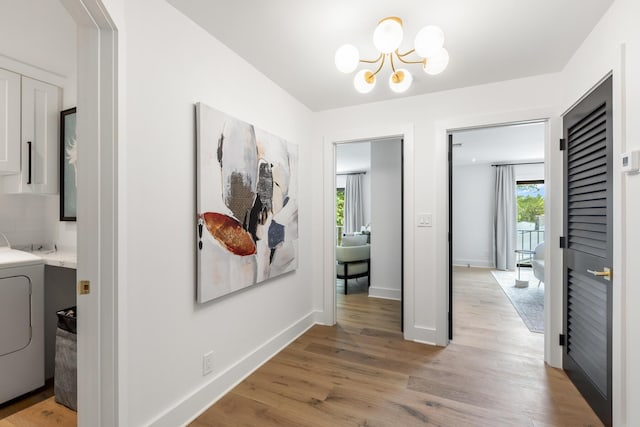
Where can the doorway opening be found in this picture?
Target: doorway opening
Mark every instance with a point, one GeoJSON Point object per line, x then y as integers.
{"type": "Point", "coordinates": [497, 229]}
{"type": "Point", "coordinates": [93, 84]}
{"type": "Point", "coordinates": [38, 67]}
{"type": "Point", "coordinates": [368, 233]}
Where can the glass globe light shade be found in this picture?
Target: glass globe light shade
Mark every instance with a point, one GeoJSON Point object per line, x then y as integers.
{"type": "Point", "coordinates": [347, 58]}
{"type": "Point", "coordinates": [364, 81]}
{"type": "Point", "coordinates": [429, 41]}
{"type": "Point", "coordinates": [437, 63]}
{"type": "Point", "coordinates": [388, 35]}
{"type": "Point", "coordinates": [400, 81]}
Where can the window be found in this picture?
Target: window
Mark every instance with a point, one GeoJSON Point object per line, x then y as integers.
{"type": "Point", "coordinates": [339, 206]}
{"type": "Point", "coordinates": [530, 201]}
{"type": "Point", "coordinates": [339, 214]}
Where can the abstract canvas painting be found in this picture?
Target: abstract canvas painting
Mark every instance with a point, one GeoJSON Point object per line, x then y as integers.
{"type": "Point", "coordinates": [247, 208]}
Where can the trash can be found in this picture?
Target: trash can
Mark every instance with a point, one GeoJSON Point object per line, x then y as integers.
{"type": "Point", "coordinates": [65, 382]}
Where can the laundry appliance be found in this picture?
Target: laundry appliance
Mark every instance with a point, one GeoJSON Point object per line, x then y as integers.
{"type": "Point", "coordinates": [21, 323]}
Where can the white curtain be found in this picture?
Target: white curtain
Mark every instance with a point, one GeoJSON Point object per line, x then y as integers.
{"type": "Point", "coordinates": [505, 218]}
{"type": "Point", "coordinates": [353, 204]}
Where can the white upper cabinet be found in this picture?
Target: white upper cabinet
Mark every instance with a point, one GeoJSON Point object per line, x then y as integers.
{"type": "Point", "coordinates": [39, 140]}
{"type": "Point", "coordinates": [9, 122]}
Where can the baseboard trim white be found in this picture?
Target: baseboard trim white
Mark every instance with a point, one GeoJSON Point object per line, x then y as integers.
{"type": "Point", "coordinates": [485, 263]}
{"type": "Point", "coordinates": [385, 293]}
{"type": "Point", "coordinates": [193, 405]}
{"type": "Point", "coordinates": [321, 318]}
{"type": "Point", "coordinates": [422, 335]}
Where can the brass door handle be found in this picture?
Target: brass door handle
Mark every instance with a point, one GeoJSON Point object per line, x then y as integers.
{"type": "Point", "coordinates": [605, 274]}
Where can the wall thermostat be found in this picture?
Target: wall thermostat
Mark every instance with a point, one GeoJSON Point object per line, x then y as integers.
{"type": "Point", "coordinates": [630, 161]}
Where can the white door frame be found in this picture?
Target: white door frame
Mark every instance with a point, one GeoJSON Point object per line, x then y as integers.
{"type": "Point", "coordinates": [553, 221]}
{"type": "Point", "coordinates": [329, 315]}
{"type": "Point", "coordinates": [98, 386]}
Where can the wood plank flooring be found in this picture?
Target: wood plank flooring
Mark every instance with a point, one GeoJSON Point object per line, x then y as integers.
{"type": "Point", "coordinates": [17, 405]}
{"type": "Point", "coordinates": [362, 373]}
{"type": "Point", "coordinates": [44, 413]}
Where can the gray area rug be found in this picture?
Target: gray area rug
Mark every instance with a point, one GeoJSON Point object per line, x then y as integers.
{"type": "Point", "coordinates": [529, 301]}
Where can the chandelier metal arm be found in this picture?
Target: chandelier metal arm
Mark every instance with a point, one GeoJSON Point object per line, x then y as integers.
{"type": "Point", "coordinates": [373, 61]}
{"type": "Point", "coordinates": [422, 61]}
{"type": "Point", "coordinates": [401, 55]}
{"type": "Point", "coordinates": [393, 67]}
{"type": "Point", "coordinates": [379, 66]}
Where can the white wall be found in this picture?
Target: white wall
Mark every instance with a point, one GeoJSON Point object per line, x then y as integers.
{"type": "Point", "coordinates": [386, 219]}
{"type": "Point", "coordinates": [473, 200]}
{"type": "Point", "coordinates": [28, 219]}
{"type": "Point", "coordinates": [600, 53]}
{"type": "Point", "coordinates": [170, 64]}
{"type": "Point", "coordinates": [529, 172]}
{"type": "Point", "coordinates": [40, 42]}
{"type": "Point", "coordinates": [430, 116]}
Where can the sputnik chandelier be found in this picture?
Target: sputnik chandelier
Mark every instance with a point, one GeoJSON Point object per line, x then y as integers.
{"type": "Point", "coordinates": [387, 38]}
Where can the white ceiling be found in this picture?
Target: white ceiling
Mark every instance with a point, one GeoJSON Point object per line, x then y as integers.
{"type": "Point", "coordinates": [500, 144]}
{"type": "Point", "coordinates": [293, 41]}
{"type": "Point", "coordinates": [353, 157]}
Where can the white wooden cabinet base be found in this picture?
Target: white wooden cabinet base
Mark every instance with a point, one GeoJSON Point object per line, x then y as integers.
{"type": "Point", "coordinates": [39, 162]}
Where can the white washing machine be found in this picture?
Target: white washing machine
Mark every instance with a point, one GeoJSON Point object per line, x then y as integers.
{"type": "Point", "coordinates": [21, 323]}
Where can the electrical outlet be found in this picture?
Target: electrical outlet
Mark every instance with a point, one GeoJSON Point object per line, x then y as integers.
{"type": "Point", "coordinates": [207, 363]}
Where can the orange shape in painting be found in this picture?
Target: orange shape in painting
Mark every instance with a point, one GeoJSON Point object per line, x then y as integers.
{"type": "Point", "coordinates": [229, 232]}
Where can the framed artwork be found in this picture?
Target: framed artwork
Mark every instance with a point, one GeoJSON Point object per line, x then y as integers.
{"type": "Point", "coordinates": [68, 163]}
{"type": "Point", "coordinates": [247, 207]}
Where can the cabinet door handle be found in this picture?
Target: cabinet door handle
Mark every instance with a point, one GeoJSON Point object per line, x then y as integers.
{"type": "Point", "coordinates": [29, 173]}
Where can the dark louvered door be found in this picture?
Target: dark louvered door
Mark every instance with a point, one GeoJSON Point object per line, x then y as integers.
{"type": "Point", "coordinates": [588, 248]}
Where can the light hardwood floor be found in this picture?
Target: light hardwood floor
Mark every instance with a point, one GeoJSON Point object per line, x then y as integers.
{"type": "Point", "coordinates": [45, 413]}
{"type": "Point", "coordinates": [362, 373]}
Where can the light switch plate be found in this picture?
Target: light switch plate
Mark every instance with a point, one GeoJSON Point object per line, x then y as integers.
{"type": "Point", "coordinates": [425, 220]}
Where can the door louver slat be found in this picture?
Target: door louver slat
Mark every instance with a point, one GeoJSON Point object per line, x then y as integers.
{"type": "Point", "coordinates": [580, 172]}
{"type": "Point", "coordinates": [597, 116]}
{"type": "Point", "coordinates": [588, 189]}
{"type": "Point", "coordinates": [586, 334]}
{"type": "Point", "coordinates": [587, 181]}
{"type": "Point", "coordinates": [589, 235]}
{"type": "Point", "coordinates": [587, 173]}
{"type": "Point", "coordinates": [593, 243]}
{"type": "Point", "coordinates": [587, 138]}
{"type": "Point", "coordinates": [594, 148]}
{"type": "Point", "coordinates": [594, 195]}
{"type": "Point", "coordinates": [592, 203]}
{"type": "Point", "coordinates": [598, 228]}
{"type": "Point", "coordinates": [586, 159]}
{"type": "Point", "coordinates": [588, 219]}
{"type": "Point", "coordinates": [590, 211]}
